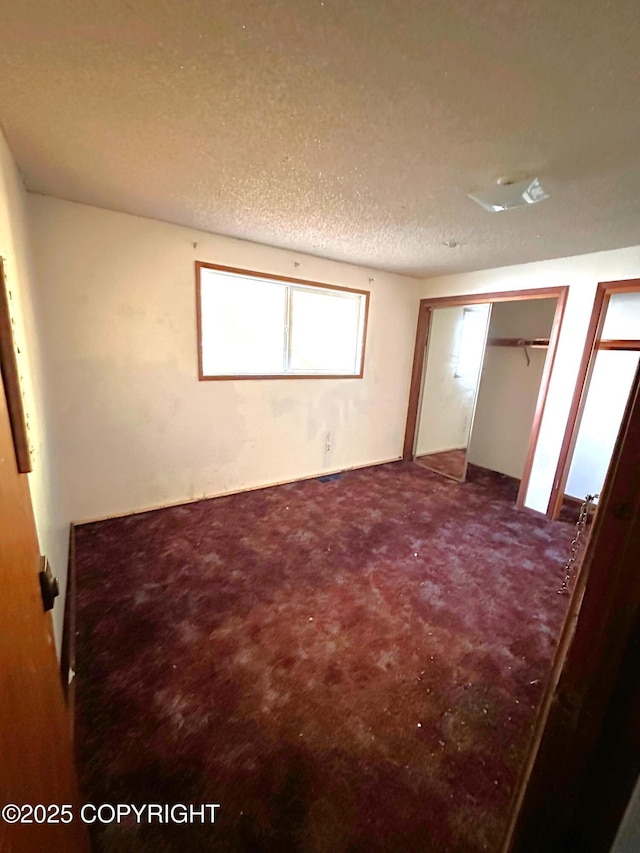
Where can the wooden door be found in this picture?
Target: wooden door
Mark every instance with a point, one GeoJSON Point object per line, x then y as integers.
{"type": "Point", "coordinates": [584, 755]}
{"type": "Point", "coordinates": [36, 759]}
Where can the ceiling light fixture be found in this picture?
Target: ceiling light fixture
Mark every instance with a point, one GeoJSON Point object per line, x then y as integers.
{"type": "Point", "coordinates": [505, 195]}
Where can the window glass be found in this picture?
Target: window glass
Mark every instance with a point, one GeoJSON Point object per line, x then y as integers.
{"type": "Point", "coordinates": [243, 323]}
{"type": "Point", "coordinates": [250, 326]}
{"type": "Point", "coordinates": [324, 331]}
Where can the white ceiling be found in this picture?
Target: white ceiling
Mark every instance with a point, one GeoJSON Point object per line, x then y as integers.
{"type": "Point", "coordinates": [351, 129]}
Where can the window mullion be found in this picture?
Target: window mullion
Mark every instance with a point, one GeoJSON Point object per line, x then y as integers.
{"type": "Point", "coordinates": [288, 312]}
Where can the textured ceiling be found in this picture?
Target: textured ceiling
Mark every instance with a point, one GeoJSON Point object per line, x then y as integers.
{"type": "Point", "coordinates": [351, 129]}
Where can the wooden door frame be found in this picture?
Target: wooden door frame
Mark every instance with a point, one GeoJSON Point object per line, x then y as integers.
{"type": "Point", "coordinates": [586, 731]}
{"type": "Point", "coordinates": [603, 293]}
{"type": "Point", "coordinates": [422, 339]}
{"type": "Point", "coordinates": [11, 379]}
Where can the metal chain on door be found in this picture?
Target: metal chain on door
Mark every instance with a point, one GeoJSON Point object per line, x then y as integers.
{"type": "Point", "coordinates": [577, 543]}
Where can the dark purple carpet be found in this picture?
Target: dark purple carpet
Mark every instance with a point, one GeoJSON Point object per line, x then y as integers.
{"type": "Point", "coordinates": [350, 665]}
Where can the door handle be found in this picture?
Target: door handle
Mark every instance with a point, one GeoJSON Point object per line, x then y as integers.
{"type": "Point", "coordinates": [49, 585]}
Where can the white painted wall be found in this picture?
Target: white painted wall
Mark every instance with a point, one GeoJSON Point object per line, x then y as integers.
{"type": "Point", "coordinates": [622, 320]}
{"type": "Point", "coordinates": [606, 401]}
{"type": "Point", "coordinates": [607, 397]}
{"type": "Point", "coordinates": [509, 387]}
{"type": "Point", "coordinates": [582, 274]}
{"type": "Point", "coordinates": [446, 407]}
{"type": "Point", "coordinates": [51, 524]}
{"type": "Point", "coordinates": [529, 318]}
{"type": "Point", "coordinates": [134, 427]}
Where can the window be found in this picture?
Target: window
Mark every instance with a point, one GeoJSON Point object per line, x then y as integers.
{"type": "Point", "coordinates": [254, 325]}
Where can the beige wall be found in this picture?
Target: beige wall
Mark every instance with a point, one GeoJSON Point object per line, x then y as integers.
{"type": "Point", "coordinates": [582, 274]}
{"type": "Point", "coordinates": [509, 387]}
{"type": "Point", "coordinates": [133, 425]}
{"type": "Point", "coordinates": [52, 526]}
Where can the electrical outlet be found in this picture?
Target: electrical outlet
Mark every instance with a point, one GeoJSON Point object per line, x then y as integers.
{"type": "Point", "coordinates": [328, 442]}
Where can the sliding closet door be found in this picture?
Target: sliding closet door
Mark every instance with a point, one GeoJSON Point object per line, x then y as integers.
{"type": "Point", "coordinates": [517, 350]}
{"type": "Point", "coordinates": [455, 351]}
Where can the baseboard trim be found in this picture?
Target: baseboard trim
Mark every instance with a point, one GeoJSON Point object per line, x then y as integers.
{"type": "Point", "coordinates": [208, 497]}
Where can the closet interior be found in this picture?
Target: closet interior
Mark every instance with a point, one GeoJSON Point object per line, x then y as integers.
{"type": "Point", "coordinates": [482, 381]}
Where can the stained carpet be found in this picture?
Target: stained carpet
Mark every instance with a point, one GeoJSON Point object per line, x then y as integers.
{"type": "Point", "coordinates": [348, 665]}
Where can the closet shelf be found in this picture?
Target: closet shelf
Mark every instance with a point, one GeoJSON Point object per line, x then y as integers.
{"type": "Point", "coordinates": [617, 344]}
{"type": "Point", "coordinates": [518, 342]}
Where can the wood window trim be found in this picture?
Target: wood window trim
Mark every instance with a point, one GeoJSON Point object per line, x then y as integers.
{"type": "Point", "coordinates": [604, 291]}
{"type": "Point", "coordinates": [426, 307]}
{"type": "Point", "coordinates": [282, 279]}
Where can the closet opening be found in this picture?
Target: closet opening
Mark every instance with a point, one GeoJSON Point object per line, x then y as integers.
{"type": "Point", "coordinates": [481, 371]}
{"type": "Point", "coordinates": [610, 360]}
